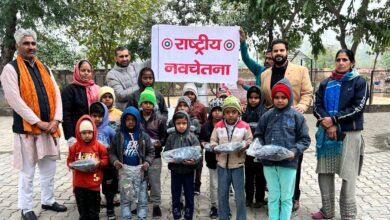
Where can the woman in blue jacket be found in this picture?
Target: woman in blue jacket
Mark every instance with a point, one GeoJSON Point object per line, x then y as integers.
{"type": "Point", "coordinates": [339, 106]}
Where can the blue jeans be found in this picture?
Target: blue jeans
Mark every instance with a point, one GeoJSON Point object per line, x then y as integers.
{"type": "Point", "coordinates": [226, 177]}
{"type": "Point", "coordinates": [281, 184]}
{"type": "Point", "coordinates": [142, 207]}
{"type": "Point", "coordinates": [181, 182]}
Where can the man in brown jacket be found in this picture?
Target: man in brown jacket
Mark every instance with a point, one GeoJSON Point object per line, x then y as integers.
{"type": "Point", "coordinates": [297, 75]}
{"type": "Point", "coordinates": [302, 91]}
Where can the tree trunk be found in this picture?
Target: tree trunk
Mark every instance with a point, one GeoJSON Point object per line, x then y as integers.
{"type": "Point", "coordinates": [372, 78]}
{"type": "Point", "coordinates": [270, 33]}
{"type": "Point", "coordinates": [8, 47]}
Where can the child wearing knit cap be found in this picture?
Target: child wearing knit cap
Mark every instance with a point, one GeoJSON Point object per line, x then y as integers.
{"type": "Point", "coordinates": [215, 115]}
{"type": "Point", "coordinates": [86, 185]}
{"type": "Point", "coordinates": [231, 165]}
{"type": "Point", "coordinates": [156, 127]}
{"type": "Point", "coordinates": [107, 96]}
{"type": "Point", "coordinates": [282, 126]}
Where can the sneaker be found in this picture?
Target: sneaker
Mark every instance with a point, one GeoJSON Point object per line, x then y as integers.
{"type": "Point", "coordinates": [156, 212]}
{"type": "Point", "coordinates": [134, 212]}
{"type": "Point", "coordinates": [213, 213]}
{"type": "Point", "coordinates": [248, 203]}
{"type": "Point", "coordinates": [111, 215]}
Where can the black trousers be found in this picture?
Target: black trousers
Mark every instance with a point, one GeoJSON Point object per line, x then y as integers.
{"type": "Point", "coordinates": [88, 203]}
{"type": "Point", "coordinates": [110, 185]}
{"type": "Point", "coordinates": [297, 191]}
{"type": "Point", "coordinates": [254, 180]}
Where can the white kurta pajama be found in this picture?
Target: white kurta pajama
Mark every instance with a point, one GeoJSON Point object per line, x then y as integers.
{"type": "Point", "coordinates": [30, 150]}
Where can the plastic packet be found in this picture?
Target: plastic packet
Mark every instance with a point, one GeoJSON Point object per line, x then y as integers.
{"type": "Point", "coordinates": [229, 147]}
{"type": "Point", "coordinates": [130, 179]}
{"type": "Point", "coordinates": [183, 153]}
{"type": "Point", "coordinates": [84, 165]}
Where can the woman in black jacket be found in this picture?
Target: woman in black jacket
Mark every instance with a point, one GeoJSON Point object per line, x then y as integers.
{"type": "Point", "coordinates": [339, 106]}
{"type": "Point", "coordinates": [76, 98]}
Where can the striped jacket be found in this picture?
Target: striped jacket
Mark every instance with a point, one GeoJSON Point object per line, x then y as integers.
{"type": "Point", "coordinates": [241, 132]}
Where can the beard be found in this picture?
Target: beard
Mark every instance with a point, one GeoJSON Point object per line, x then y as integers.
{"type": "Point", "coordinates": [123, 64]}
{"type": "Point", "coordinates": [279, 60]}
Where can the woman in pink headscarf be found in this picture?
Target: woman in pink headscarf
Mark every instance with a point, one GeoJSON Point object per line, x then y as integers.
{"type": "Point", "coordinates": [77, 97]}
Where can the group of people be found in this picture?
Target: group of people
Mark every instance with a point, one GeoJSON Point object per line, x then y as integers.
{"type": "Point", "coordinates": [124, 128]}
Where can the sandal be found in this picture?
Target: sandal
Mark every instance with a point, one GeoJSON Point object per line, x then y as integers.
{"type": "Point", "coordinates": [296, 206]}
{"type": "Point", "coordinates": [318, 215]}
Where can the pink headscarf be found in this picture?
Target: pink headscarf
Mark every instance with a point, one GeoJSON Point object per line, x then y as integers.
{"type": "Point", "coordinates": [91, 88]}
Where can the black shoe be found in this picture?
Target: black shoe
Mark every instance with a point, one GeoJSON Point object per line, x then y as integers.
{"type": "Point", "coordinates": [213, 213]}
{"type": "Point", "coordinates": [29, 216]}
{"type": "Point", "coordinates": [111, 215]}
{"type": "Point", "coordinates": [248, 203]}
{"type": "Point", "coordinates": [134, 212]}
{"type": "Point", "coordinates": [156, 212]}
{"type": "Point", "coordinates": [55, 207]}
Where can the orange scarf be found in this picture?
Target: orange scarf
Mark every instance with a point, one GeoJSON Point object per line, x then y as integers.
{"type": "Point", "coordinates": [30, 97]}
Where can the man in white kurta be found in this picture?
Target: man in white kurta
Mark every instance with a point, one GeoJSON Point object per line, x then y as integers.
{"type": "Point", "coordinates": [33, 148]}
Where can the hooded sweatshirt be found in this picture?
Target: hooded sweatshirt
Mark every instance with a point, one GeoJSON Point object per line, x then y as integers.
{"type": "Point", "coordinates": [161, 107]}
{"type": "Point", "coordinates": [82, 151]}
{"type": "Point", "coordinates": [253, 114]}
{"type": "Point", "coordinates": [131, 149]}
{"type": "Point", "coordinates": [198, 109]}
{"type": "Point", "coordinates": [105, 132]}
{"type": "Point", "coordinates": [284, 127]}
{"type": "Point", "coordinates": [194, 123]}
{"type": "Point", "coordinates": [178, 140]}
{"type": "Point", "coordinates": [114, 114]}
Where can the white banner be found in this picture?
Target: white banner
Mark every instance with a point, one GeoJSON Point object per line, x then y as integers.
{"type": "Point", "coordinates": [195, 54]}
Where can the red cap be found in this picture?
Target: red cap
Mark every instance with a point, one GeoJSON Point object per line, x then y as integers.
{"type": "Point", "coordinates": [281, 88]}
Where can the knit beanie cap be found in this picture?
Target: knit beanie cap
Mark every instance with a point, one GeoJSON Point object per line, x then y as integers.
{"type": "Point", "coordinates": [148, 96]}
{"type": "Point", "coordinates": [280, 87]}
{"type": "Point", "coordinates": [215, 103]}
{"type": "Point", "coordinates": [86, 125]}
{"type": "Point", "coordinates": [104, 90]}
{"type": "Point", "coordinates": [190, 87]}
{"type": "Point", "coordinates": [231, 102]}
{"type": "Point", "coordinates": [184, 99]}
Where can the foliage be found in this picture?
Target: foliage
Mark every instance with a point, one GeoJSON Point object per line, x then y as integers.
{"type": "Point", "coordinates": [109, 24]}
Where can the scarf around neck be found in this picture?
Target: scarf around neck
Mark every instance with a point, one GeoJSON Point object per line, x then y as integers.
{"type": "Point", "coordinates": [29, 95]}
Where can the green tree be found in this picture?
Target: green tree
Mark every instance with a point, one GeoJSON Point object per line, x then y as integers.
{"type": "Point", "coordinates": [109, 24]}
{"type": "Point", "coordinates": [346, 18]}
{"type": "Point", "coordinates": [29, 14]}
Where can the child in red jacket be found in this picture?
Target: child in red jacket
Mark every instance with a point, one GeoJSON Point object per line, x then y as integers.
{"type": "Point", "coordinates": [86, 185]}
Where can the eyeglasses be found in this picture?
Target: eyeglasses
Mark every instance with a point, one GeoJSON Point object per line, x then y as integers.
{"type": "Point", "coordinates": [342, 59]}
{"type": "Point", "coordinates": [27, 43]}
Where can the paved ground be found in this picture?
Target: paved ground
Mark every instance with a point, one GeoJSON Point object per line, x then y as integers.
{"type": "Point", "coordinates": [373, 192]}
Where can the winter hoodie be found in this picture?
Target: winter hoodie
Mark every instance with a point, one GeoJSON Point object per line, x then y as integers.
{"type": "Point", "coordinates": [253, 114]}
{"type": "Point", "coordinates": [82, 151]}
{"type": "Point", "coordinates": [161, 107]}
{"type": "Point", "coordinates": [194, 122]}
{"type": "Point", "coordinates": [178, 140]}
{"type": "Point", "coordinates": [198, 110]}
{"type": "Point", "coordinates": [284, 127]}
{"type": "Point", "coordinates": [118, 146]}
{"type": "Point", "coordinates": [105, 132]}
